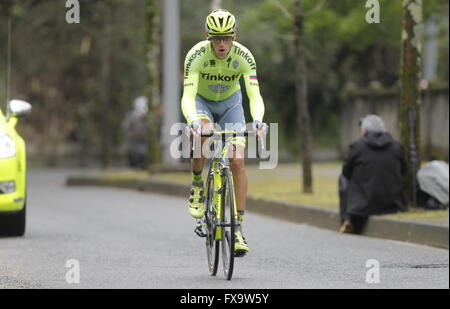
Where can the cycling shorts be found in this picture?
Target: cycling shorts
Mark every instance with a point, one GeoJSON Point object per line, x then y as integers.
{"type": "Point", "coordinates": [228, 114]}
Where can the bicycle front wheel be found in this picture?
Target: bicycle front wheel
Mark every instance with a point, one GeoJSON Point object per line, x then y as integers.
{"type": "Point", "coordinates": [228, 223]}
{"type": "Point", "coordinates": [212, 245]}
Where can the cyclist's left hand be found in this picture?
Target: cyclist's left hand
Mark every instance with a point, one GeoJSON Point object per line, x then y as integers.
{"type": "Point", "coordinates": [259, 127]}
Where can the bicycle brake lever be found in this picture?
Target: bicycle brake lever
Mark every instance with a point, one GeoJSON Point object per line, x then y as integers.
{"type": "Point", "coordinates": [261, 147]}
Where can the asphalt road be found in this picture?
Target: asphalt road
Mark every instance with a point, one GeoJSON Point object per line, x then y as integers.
{"type": "Point", "coordinates": [115, 238]}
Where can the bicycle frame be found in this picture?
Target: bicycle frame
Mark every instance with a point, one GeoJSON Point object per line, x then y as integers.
{"type": "Point", "coordinates": [218, 164]}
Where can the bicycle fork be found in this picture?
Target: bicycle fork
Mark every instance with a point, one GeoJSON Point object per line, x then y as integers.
{"type": "Point", "coordinates": [217, 200]}
{"type": "Point", "coordinates": [218, 191]}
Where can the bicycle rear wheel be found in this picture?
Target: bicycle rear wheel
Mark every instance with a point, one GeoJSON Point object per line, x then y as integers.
{"type": "Point", "coordinates": [228, 224]}
{"type": "Point", "coordinates": [212, 245]}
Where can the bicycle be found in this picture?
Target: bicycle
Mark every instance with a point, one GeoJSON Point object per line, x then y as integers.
{"type": "Point", "coordinates": [220, 220]}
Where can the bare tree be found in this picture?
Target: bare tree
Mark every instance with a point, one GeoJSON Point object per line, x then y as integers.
{"type": "Point", "coordinates": [410, 92]}
{"type": "Point", "coordinates": [302, 102]}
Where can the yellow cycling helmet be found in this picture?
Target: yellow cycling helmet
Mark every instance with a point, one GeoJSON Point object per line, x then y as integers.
{"type": "Point", "coordinates": [220, 23]}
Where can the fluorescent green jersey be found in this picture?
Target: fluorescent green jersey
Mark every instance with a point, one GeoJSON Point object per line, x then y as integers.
{"type": "Point", "coordinates": [217, 79]}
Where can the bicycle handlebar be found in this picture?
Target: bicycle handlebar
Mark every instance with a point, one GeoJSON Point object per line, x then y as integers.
{"type": "Point", "coordinates": [225, 134]}
{"type": "Point", "coordinates": [228, 134]}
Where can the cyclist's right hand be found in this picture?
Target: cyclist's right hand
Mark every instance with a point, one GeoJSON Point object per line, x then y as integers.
{"type": "Point", "coordinates": [195, 128]}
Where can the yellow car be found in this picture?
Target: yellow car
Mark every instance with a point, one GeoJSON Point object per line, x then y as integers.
{"type": "Point", "coordinates": [13, 170]}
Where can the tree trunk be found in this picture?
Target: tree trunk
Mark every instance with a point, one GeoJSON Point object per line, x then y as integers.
{"type": "Point", "coordinates": [302, 102]}
{"type": "Point", "coordinates": [153, 8]}
{"type": "Point", "coordinates": [410, 92]}
{"type": "Point", "coordinates": [216, 4]}
{"type": "Point", "coordinates": [106, 147]}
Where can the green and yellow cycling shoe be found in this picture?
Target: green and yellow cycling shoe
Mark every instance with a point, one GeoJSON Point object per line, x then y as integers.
{"type": "Point", "coordinates": [196, 201]}
{"type": "Point", "coordinates": [240, 246]}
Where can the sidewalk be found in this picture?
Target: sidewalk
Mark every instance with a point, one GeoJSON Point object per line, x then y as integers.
{"type": "Point", "coordinates": [268, 187]}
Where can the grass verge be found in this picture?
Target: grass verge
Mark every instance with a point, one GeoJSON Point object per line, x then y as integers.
{"type": "Point", "coordinates": [284, 184]}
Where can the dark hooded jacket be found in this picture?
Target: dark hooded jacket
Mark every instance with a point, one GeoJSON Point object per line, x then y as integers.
{"type": "Point", "coordinates": [374, 169]}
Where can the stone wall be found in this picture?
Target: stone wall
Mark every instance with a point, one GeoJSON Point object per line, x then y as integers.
{"type": "Point", "coordinates": [434, 120]}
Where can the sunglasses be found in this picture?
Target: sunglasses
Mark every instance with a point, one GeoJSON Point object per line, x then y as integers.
{"type": "Point", "coordinates": [221, 38]}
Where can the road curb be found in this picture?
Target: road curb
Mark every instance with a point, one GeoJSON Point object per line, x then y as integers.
{"type": "Point", "coordinates": [377, 226]}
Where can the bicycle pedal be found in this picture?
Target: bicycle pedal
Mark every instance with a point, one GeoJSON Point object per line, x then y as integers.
{"type": "Point", "coordinates": [199, 230]}
{"type": "Point", "coordinates": [240, 253]}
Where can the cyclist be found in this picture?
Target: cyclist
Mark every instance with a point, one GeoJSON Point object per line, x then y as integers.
{"type": "Point", "coordinates": [212, 70]}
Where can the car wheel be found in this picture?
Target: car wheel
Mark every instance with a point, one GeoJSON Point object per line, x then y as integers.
{"type": "Point", "coordinates": [13, 224]}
